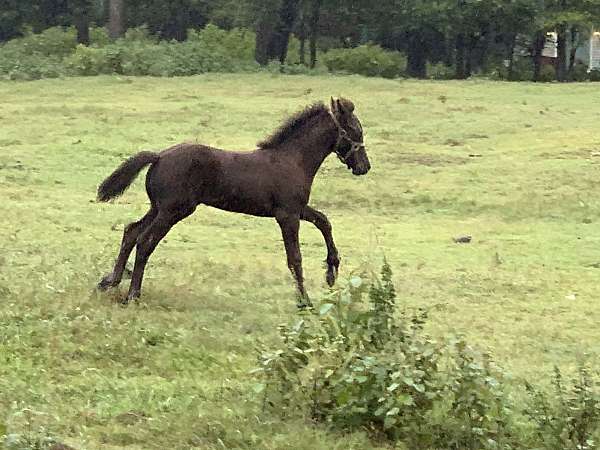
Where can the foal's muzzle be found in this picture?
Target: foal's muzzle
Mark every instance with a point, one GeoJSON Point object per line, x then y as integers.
{"type": "Point", "coordinates": [361, 171]}
{"type": "Point", "coordinates": [360, 164]}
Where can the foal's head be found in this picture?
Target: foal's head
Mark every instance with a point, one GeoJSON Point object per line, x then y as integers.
{"type": "Point", "coordinates": [349, 146]}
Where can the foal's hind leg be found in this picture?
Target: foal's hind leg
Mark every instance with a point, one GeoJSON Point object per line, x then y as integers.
{"type": "Point", "coordinates": [149, 239]}
{"type": "Point", "coordinates": [130, 235]}
{"type": "Point", "coordinates": [320, 220]}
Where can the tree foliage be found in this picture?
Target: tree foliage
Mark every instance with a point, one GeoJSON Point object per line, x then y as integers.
{"type": "Point", "coordinates": [468, 36]}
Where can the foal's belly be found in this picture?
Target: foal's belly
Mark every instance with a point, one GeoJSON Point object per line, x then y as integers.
{"type": "Point", "coordinates": [239, 191]}
{"type": "Point", "coordinates": [239, 204]}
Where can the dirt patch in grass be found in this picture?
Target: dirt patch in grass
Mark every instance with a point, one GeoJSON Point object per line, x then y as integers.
{"type": "Point", "coordinates": [429, 159]}
{"type": "Point", "coordinates": [576, 153]}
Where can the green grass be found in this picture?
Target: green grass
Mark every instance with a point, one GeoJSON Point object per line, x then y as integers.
{"type": "Point", "coordinates": [173, 371]}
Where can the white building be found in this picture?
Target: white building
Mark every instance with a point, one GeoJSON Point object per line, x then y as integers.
{"type": "Point", "coordinates": [587, 53]}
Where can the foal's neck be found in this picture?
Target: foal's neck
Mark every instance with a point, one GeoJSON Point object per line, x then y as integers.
{"type": "Point", "coordinates": [313, 144]}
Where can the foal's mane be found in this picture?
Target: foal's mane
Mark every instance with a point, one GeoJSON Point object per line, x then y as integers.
{"type": "Point", "coordinates": [291, 125]}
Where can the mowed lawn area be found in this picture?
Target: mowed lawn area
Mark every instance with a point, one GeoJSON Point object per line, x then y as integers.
{"type": "Point", "coordinates": [516, 166]}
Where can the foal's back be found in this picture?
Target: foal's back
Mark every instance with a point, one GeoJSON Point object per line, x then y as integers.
{"type": "Point", "coordinates": [254, 182]}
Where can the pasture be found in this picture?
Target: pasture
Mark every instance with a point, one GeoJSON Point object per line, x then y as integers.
{"type": "Point", "coordinates": [514, 165]}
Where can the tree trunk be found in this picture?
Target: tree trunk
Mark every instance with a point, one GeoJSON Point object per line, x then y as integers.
{"type": "Point", "coordinates": [573, 49]}
{"type": "Point", "coordinates": [561, 63]}
{"type": "Point", "coordinates": [264, 32]}
{"type": "Point", "coordinates": [482, 56]}
{"type": "Point", "coordinates": [416, 64]}
{"type": "Point", "coordinates": [314, 31]}
{"type": "Point", "coordinates": [511, 56]}
{"type": "Point", "coordinates": [180, 27]}
{"type": "Point", "coordinates": [470, 55]}
{"type": "Point", "coordinates": [82, 24]}
{"type": "Point", "coordinates": [288, 14]}
{"type": "Point", "coordinates": [460, 57]}
{"type": "Point", "coordinates": [303, 50]}
{"type": "Point", "coordinates": [116, 20]}
{"type": "Point", "coordinates": [539, 42]}
{"type": "Point", "coordinates": [274, 29]}
{"type": "Point", "coordinates": [302, 37]}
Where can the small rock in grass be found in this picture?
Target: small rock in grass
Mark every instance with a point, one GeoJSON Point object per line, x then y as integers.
{"type": "Point", "coordinates": [462, 239]}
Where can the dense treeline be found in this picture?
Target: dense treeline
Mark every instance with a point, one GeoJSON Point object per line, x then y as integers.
{"type": "Point", "coordinates": [463, 36]}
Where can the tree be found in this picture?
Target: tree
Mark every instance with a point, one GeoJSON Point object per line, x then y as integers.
{"type": "Point", "coordinates": [81, 11]}
{"type": "Point", "coordinates": [266, 18]}
{"type": "Point", "coordinates": [116, 18]}
{"type": "Point", "coordinates": [413, 26]}
{"type": "Point", "coordinates": [287, 18]}
{"type": "Point", "coordinates": [313, 26]}
{"type": "Point", "coordinates": [275, 21]}
{"type": "Point", "coordinates": [11, 19]}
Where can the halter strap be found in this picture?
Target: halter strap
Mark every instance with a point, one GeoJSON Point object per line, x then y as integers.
{"type": "Point", "coordinates": [343, 135]}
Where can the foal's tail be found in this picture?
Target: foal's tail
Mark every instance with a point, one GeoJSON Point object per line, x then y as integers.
{"type": "Point", "coordinates": [121, 178]}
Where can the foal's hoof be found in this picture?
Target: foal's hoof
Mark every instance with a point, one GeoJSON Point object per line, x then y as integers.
{"type": "Point", "coordinates": [304, 306]}
{"type": "Point", "coordinates": [132, 296]}
{"type": "Point", "coordinates": [331, 275]}
{"type": "Point", "coordinates": [304, 303]}
{"type": "Point", "coordinates": [106, 283]}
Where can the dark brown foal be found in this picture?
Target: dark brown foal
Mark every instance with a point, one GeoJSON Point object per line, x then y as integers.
{"type": "Point", "coordinates": [273, 181]}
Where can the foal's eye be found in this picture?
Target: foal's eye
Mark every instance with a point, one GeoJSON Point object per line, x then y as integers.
{"type": "Point", "coordinates": [357, 129]}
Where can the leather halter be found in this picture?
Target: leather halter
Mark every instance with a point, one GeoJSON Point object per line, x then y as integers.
{"type": "Point", "coordinates": [343, 136]}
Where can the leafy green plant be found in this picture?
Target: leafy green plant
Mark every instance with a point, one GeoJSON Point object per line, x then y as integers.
{"type": "Point", "coordinates": [36, 56]}
{"type": "Point", "coordinates": [579, 73]}
{"type": "Point", "coordinates": [594, 75]}
{"type": "Point", "coordinates": [480, 412]}
{"type": "Point", "coordinates": [440, 71]}
{"type": "Point", "coordinates": [547, 73]}
{"type": "Point", "coordinates": [360, 361]}
{"type": "Point", "coordinates": [56, 41]}
{"type": "Point", "coordinates": [55, 53]}
{"type": "Point", "coordinates": [29, 431]}
{"type": "Point", "coordinates": [91, 61]}
{"type": "Point", "coordinates": [369, 60]}
{"type": "Point", "coordinates": [570, 417]}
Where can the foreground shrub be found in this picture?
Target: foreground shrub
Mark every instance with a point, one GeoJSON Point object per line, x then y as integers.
{"type": "Point", "coordinates": [568, 418]}
{"type": "Point", "coordinates": [368, 60]}
{"type": "Point", "coordinates": [360, 361]}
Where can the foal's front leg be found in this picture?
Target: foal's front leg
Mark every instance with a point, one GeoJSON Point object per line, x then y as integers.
{"type": "Point", "coordinates": [290, 225]}
{"type": "Point", "coordinates": [320, 220]}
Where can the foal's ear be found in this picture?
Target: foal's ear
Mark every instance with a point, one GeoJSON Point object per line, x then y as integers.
{"type": "Point", "coordinates": [346, 105]}
{"type": "Point", "coordinates": [334, 106]}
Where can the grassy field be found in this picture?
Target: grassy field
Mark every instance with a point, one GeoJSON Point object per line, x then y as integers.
{"type": "Point", "coordinates": [513, 165]}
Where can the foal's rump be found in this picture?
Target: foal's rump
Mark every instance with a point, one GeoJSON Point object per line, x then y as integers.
{"type": "Point", "coordinates": [176, 165]}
